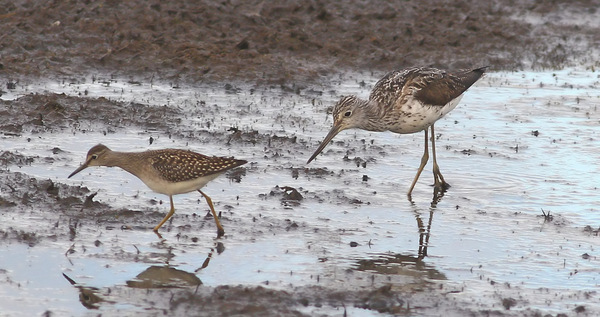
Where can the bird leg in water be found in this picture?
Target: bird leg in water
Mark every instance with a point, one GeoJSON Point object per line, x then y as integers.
{"type": "Point", "coordinates": [439, 182]}
{"type": "Point", "coordinates": [171, 212]}
{"type": "Point", "coordinates": [220, 230]}
{"type": "Point", "coordinates": [424, 160]}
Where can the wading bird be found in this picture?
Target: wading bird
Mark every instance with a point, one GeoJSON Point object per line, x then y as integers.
{"type": "Point", "coordinates": [168, 171]}
{"type": "Point", "coordinates": [405, 101]}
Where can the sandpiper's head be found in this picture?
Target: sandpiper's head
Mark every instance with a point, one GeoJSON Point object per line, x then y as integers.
{"type": "Point", "coordinates": [348, 113]}
{"type": "Point", "coordinates": [94, 158]}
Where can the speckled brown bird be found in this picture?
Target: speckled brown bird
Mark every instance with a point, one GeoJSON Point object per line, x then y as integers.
{"type": "Point", "coordinates": [167, 171]}
{"type": "Point", "coordinates": [405, 101]}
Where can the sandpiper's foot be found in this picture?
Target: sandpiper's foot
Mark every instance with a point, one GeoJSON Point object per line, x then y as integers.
{"type": "Point", "coordinates": [157, 234]}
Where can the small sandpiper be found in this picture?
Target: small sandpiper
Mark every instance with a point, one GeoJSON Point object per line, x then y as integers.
{"type": "Point", "coordinates": [168, 171]}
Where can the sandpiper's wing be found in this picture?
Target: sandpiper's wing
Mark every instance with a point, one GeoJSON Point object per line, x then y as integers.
{"type": "Point", "coordinates": [429, 85]}
{"type": "Point", "coordinates": [439, 88]}
{"type": "Point", "coordinates": [180, 165]}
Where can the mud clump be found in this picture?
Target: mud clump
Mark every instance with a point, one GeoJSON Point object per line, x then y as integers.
{"type": "Point", "coordinates": [59, 204]}
{"type": "Point", "coordinates": [29, 192]}
{"type": "Point", "coordinates": [58, 112]}
{"type": "Point", "coordinates": [289, 196]}
{"type": "Point", "coordinates": [8, 158]}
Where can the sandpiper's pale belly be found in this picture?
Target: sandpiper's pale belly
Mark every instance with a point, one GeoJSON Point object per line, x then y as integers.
{"type": "Point", "coordinates": [416, 116]}
{"type": "Point", "coordinates": [168, 188]}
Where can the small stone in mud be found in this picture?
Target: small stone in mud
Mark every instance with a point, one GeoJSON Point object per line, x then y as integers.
{"type": "Point", "coordinates": [293, 225]}
{"type": "Point", "coordinates": [354, 244]}
{"type": "Point", "coordinates": [585, 256]}
{"type": "Point", "coordinates": [243, 45]}
{"type": "Point", "coordinates": [535, 133]}
{"type": "Point", "coordinates": [365, 178]}
{"type": "Point", "coordinates": [291, 193]}
{"type": "Point", "coordinates": [509, 302]}
{"type": "Point", "coordinates": [356, 201]}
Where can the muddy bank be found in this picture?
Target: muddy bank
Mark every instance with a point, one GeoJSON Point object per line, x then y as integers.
{"type": "Point", "coordinates": [49, 113]}
{"type": "Point", "coordinates": [288, 41]}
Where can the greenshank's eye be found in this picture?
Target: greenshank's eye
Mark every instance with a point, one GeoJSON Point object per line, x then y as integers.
{"type": "Point", "coordinates": [347, 113]}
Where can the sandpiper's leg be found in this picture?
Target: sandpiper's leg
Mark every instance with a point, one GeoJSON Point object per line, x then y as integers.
{"type": "Point", "coordinates": [220, 230]}
{"type": "Point", "coordinates": [171, 212]}
{"type": "Point", "coordinates": [424, 160]}
{"type": "Point", "coordinates": [440, 183]}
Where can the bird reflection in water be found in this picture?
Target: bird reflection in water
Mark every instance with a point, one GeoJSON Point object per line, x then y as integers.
{"type": "Point", "coordinates": [158, 276]}
{"type": "Point", "coordinates": [155, 276]}
{"type": "Point", "coordinates": [88, 296]}
{"type": "Point", "coordinates": [219, 247]}
{"type": "Point", "coordinates": [399, 264]}
{"type": "Point", "coordinates": [424, 230]}
{"type": "Point", "coordinates": [407, 265]}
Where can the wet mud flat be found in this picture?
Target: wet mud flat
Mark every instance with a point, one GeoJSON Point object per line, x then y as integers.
{"type": "Point", "coordinates": [334, 237]}
{"type": "Point", "coordinates": [516, 234]}
{"type": "Point", "coordinates": [68, 222]}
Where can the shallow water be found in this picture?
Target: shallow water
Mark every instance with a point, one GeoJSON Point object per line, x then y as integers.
{"type": "Point", "coordinates": [487, 239]}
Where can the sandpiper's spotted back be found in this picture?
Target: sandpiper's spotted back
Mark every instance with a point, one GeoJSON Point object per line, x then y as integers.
{"type": "Point", "coordinates": [181, 165]}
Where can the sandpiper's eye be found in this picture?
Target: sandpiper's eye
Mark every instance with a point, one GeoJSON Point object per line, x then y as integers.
{"type": "Point", "coordinates": [347, 113]}
{"type": "Point", "coordinates": [95, 157]}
